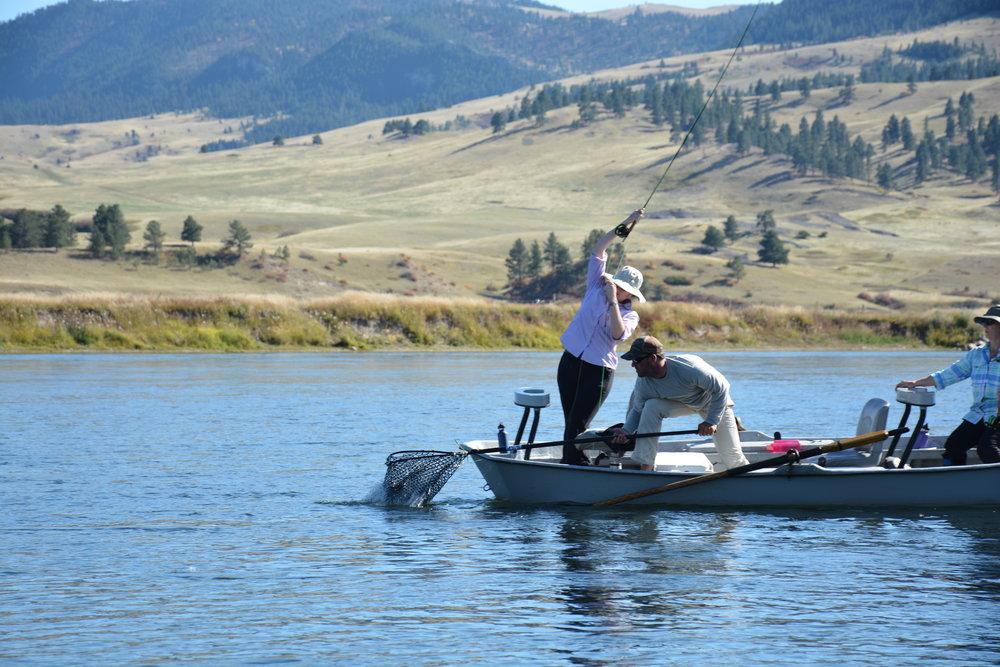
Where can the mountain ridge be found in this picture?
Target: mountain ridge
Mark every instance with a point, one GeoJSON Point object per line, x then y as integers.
{"type": "Point", "coordinates": [309, 66]}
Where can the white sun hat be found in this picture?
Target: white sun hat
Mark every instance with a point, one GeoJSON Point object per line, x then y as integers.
{"type": "Point", "coordinates": [629, 279]}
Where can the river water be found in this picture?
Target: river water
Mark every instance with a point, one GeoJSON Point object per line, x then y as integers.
{"type": "Point", "coordinates": [209, 509]}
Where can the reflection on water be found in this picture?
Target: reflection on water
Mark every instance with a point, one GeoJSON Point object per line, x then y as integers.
{"type": "Point", "coordinates": [208, 508]}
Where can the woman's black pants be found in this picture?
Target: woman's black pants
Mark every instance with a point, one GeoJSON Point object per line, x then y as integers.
{"type": "Point", "coordinates": [582, 389]}
{"type": "Point", "coordinates": [967, 436]}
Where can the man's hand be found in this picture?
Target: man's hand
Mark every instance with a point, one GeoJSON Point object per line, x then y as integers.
{"type": "Point", "coordinates": [619, 436]}
{"type": "Point", "coordinates": [705, 428]}
{"type": "Point", "coordinates": [906, 384]}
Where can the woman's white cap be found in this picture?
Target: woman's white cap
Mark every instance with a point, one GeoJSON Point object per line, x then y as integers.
{"type": "Point", "coordinates": [629, 279]}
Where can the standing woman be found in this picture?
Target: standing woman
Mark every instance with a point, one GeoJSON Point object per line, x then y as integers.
{"type": "Point", "coordinates": [604, 319]}
{"type": "Point", "coordinates": [981, 365]}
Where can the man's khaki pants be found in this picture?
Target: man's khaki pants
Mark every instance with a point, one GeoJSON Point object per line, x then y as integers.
{"type": "Point", "coordinates": [655, 410]}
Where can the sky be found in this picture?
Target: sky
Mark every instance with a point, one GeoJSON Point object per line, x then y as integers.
{"type": "Point", "coordinates": [9, 9]}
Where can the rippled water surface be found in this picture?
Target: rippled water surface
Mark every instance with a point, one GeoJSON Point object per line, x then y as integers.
{"type": "Point", "coordinates": [209, 509]}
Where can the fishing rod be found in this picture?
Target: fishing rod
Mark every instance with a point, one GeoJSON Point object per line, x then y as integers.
{"type": "Point", "coordinates": [624, 229]}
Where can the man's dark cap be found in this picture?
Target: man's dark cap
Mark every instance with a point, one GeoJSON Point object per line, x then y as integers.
{"type": "Point", "coordinates": [643, 347]}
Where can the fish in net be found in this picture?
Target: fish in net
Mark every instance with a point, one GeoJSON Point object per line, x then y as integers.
{"type": "Point", "coordinates": [414, 477]}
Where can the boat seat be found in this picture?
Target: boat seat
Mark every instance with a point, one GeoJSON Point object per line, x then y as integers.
{"type": "Point", "coordinates": [873, 416]}
{"type": "Point", "coordinates": [682, 462]}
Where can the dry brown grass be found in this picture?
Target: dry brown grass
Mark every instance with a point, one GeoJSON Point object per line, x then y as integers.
{"type": "Point", "coordinates": [110, 321]}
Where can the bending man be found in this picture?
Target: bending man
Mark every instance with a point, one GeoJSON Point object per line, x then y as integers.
{"type": "Point", "coordinates": [675, 385]}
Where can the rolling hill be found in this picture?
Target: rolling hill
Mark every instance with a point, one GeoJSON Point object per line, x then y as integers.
{"type": "Point", "coordinates": [436, 213]}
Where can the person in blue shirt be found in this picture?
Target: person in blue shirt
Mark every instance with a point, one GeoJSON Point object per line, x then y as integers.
{"type": "Point", "coordinates": [604, 319]}
{"type": "Point", "coordinates": [981, 365]}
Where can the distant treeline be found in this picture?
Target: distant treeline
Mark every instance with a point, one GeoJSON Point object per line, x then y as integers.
{"type": "Point", "coordinates": [110, 234]}
{"type": "Point", "coordinates": [966, 148]}
{"type": "Point", "coordinates": [942, 65]}
{"type": "Point", "coordinates": [822, 146]}
{"type": "Point", "coordinates": [310, 65]}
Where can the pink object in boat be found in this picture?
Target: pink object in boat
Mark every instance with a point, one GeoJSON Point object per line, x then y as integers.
{"type": "Point", "coordinates": [782, 446]}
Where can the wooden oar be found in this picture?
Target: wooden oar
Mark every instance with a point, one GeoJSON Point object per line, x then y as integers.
{"type": "Point", "coordinates": [774, 462]}
{"type": "Point", "coordinates": [602, 438]}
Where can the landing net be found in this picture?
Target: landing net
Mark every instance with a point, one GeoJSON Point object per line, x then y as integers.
{"type": "Point", "coordinates": [414, 477]}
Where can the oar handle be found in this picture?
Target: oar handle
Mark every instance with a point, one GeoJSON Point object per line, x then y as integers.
{"type": "Point", "coordinates": [579, 441]}
{"type": "Point", "coordinates": [793, 455]}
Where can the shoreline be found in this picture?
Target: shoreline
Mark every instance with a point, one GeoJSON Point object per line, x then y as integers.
{"type": "Point", "coordinates": [373, 322]}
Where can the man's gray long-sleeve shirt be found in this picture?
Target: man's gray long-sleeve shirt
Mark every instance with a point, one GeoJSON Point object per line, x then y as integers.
{"type": "Point", "coordinates": [690, 380]}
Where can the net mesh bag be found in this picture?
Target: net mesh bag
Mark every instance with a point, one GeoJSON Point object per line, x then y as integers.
{"type": "Point", "coordinates": [414, 477]}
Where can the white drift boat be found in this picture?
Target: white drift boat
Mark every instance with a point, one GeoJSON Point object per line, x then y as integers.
{"type": "Point", "coordinates": [545, 481]}
{"type": "Point", "coordinates": [819, 472]}
{"type": "Point", "coordinates": [843, 479]}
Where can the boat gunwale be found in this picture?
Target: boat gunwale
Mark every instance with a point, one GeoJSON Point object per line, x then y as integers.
{"type": "Point", "coordinates": [782, 470]}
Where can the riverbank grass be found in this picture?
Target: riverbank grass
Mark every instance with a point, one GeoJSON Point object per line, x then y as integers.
{"type": "Point", "coordinates": [357, 321]}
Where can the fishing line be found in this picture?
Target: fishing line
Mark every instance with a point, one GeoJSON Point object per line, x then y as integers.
{"type": "Point", "coordinates": [623, 230]}
{"type": "Point", "coordinates": [705, 105]}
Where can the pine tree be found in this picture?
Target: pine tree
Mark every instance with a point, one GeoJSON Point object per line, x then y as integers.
{"type": "Point", "coordinates": [975, 158]}
{"type": "Point", "coordinates": [153, 236]}
{"type": "Point", "coordinates": [498, 121]}
{"type": "Point", "coordinates": [239, 238]}
{"type": "Point", "coordinates": [729, 228]}
{"type": "Point", "coordinates": [995, 181]}
{"type": "Point", "coordinates": [890, 133]}
{"type": "Point", "coordinates": [713, 238]}
{"type": "Point", "coordinates": [906, 134]}
{"type": "Point", "coordinates": [534, 269]}
{"type": "Point", "coordinates": [965, 113]}
{"type": "Point", "coordinates": [109, 231]}
{"type": "Point", "coordinates": [736, 269]}
{"type": "Point", "coordinates": [775, 90]}
{"type": "Point", "coordinates": [28, 229]}
{"type": "Point", "coordinates": [847, 92]}
{"type": "Point", "coordinates": [59, 231]}
{"type": "Point", "coordinates": [772, 249]}
{"type": "Point", "coordinates": [517, 264]}
{"type": "Point", "coordinates": [555, 253]}
{"type": "Point", "coordinates": [923, 163]}
{"type": "Point", "coordinates": [191, 231]}
{"type": "Point", "coordinates": [765, 221]}
{"type": "Point", "coordinates": [883, 176]}
{"type": "Point", "coordinates": [805, 88]}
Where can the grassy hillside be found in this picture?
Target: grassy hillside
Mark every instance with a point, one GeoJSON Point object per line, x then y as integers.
{"type": "Point", "coordinates": [436, 214]}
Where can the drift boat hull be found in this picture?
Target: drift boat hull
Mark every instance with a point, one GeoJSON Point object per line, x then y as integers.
{"type": "Point", "coordinates": [801, 485]}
